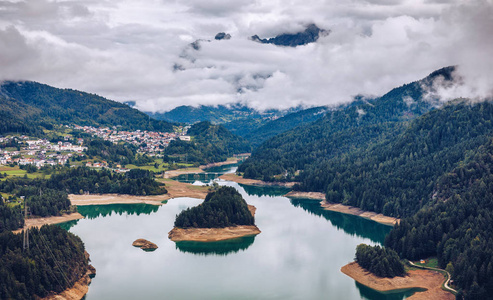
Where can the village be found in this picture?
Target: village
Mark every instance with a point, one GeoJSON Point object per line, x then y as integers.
{"type": "Point", "coordinates": [41, 152]}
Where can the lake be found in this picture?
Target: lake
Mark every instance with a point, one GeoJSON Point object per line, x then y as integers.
{"type": "Point", "coordinates": [298, 255]}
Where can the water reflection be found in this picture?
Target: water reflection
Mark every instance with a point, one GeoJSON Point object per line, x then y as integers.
{"type": "Point", "coordinates": [259, 191]}
{"type": "Point", "coordinates": [216, 248]}
{"type": "Point", "coordinates": [95, 211]}
{"type": "Point", "coordinates": [368, 293]}
{"type": "Point", "coordinates": [353, 225]}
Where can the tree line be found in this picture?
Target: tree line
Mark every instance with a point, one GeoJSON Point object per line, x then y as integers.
{"type": "Point", "coordinates": [382, 262]}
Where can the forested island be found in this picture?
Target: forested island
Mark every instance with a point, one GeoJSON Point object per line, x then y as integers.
{"type": "Point", "coordinates": [224, 214]}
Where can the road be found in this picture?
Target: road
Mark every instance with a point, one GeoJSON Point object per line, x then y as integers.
{"type": "Point", "coordinates": [440, 270]}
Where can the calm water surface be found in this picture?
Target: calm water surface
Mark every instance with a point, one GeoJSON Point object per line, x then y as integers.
{"type": "Point", "coordinates": [298, 255]}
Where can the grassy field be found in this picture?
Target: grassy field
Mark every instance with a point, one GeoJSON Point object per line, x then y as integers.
{"type": "Point", "coordinates": [431, 262]}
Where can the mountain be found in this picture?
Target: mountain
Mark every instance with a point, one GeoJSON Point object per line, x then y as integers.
{"type": "Point", "coordinates": [219, 114]}
{"type": "Point", "coordinates": [285, 123]}
{"type": "Point", "coordinates": [341, 131]}
{"type": "Point", "coordinates": [309, 35]}
{"type": "Point", "coordinates": [209, 143]}
{"type": "Point", "coordinates": [27, 106]}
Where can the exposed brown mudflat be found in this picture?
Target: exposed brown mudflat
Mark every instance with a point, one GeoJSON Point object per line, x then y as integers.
{"type": "Point", "coordinates": [350, 210]}
{"type": "Point", "coordinates": [306, 195]}
{"type": "Point", "coordinates": [175, 189]}
{"type": "Point", "coordinates": [78, 290]}
{"type": "Point", "coordinates": [214, 234]}
{"type": "Point", "coordinates": [38, 221]}
{"type": "Point", "coordinates": [238, 179]}
{"type": "Point", "coordinates": [101, 199]}
{"type": "Point", "coordinates": [425, 279]}
{"type": "Point", "coordinates": [144, 244]}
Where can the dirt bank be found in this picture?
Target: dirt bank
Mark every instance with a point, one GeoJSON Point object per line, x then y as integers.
{"type": "Point", "coordinates": [214, 234]}
{"type": "Point", "coordinates": [200, 169]}
{"type": "Point", "coordinates": [429, 280]}
{"type": "Point", "coordinates": [38, 221]}
{"type": "Point", "coordinates": [306, 195]}
{"type": "Point", "coordinates": [98, 199]}
{"type": "Point", "coordinates": [379, 218]}
{"type": "Point", "coordinates": [175, 189]}
{"type": "Point", "coordinates": [239, 179]}
{"type": "Point", "coordinates": [211, 234]}
{"type": "Point", "coordinates": [78, 290]}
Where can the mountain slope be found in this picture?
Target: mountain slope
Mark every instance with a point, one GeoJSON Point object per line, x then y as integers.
{"type": "Point", "coordinates": [309, 35]}
{"type": "Point", "coordinates": [342, 131]}
{"type": "Point", "coordinates": [285, 123]}
{"type": "Point", "coordinates": [210, 143]}
{"type": "Point", "coordinates": [39, 104]}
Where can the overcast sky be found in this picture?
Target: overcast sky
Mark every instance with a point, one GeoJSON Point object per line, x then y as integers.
{"type": "Point", "coordinates": [140, 49]}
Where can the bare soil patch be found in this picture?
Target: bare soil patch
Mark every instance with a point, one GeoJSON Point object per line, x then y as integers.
{"type": "Point", "coordinates": [214, 234]}
{"type": "Point", "coordinates": [350, 210]}
{"type": "Point", "coordinates": [426, 279]}
{"type": "Point", "coordinates": [239, 179]}
{"type": "Point", "coordinates": [306, 195]}
{"type": "Point", "coordinates": [38, 221]}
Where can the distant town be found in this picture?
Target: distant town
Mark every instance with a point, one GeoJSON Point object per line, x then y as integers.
{"type": "Point", "coordinates": [41, 152]}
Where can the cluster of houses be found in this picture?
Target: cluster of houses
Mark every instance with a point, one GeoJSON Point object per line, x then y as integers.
{"type": "Point", "coordinates": [39, 152]}
{"type": "Point", "coordinates": [150, 142]}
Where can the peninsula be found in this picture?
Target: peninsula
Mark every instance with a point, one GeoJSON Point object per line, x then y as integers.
{"type": "Point", "coordinates": [223, 215]}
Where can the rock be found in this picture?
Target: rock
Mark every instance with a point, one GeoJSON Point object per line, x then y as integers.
{"type": "Point", "coordinates": [144, 245]}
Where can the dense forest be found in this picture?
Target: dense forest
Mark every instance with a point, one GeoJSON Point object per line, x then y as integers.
{"type": "Point", "coordinates": [11, 218]}
{"type": "Point", "coordinates": [221, 208]}
{"type": "Point", "coordinates": [29, 106]}
{"type": "Point", "coordinates": [210, 143]}
{"type": "Point", "coordinates": [272, 128]}
{"type": "Point", "coordinates": [399, 176]}
{"type": "Point", "coordinates": [55, 261]}
{"type": "Point", "coordinates": [79, 180]}
{"type": "Point", "coordinates": [341, 131]}
{"type": "Point", "coordinates": [458, 229]}
{"type": "Point", "coordinates": [380, 261]}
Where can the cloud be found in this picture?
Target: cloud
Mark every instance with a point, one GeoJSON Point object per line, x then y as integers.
{"type": "Point", "coordinates": [140, 50]}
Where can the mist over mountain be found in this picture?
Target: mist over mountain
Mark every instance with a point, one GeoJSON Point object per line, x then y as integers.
{"type": "Point", "coordinates": [310, 35]}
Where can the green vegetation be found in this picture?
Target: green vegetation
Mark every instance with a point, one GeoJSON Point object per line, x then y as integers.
{"type": "Point", "coordinates": [53, 263]}
{"type": "Point", "coordinates": [121, 153]}
{"type": "Point", "coordinates": [81, 179]}
{"type": "Point", "coordinates": [28, 107]}
{"type": "Point", "coordinates": [380, 261]}
{"type": "Point", "coordinates": [459, 228]}
{"type": "Point", "coordinates": [221, 208]}
{"type": "Point", "coordinates": [11, 218]}
{"type": "Point", "coordinates": [211, 143]}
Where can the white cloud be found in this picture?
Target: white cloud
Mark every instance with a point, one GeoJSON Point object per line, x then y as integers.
{"type": "Point", "coordinates": [127, 49]}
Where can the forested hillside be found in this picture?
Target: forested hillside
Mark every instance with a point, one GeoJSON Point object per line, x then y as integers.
{"type": "Point", "coordinates": [341, 131]}
{"type": "Point", "coordinates": [458, 229]}
{"type": "Point", "coordinates": [28, 105]}
{"type": "Point", "coordinates": [54, 262]}
{"type": "Point", "coordinates": [272, 128]}
{"type": "Point", "coordinates": [210, 143]}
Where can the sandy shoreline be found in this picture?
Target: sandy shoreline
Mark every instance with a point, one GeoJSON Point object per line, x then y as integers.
{"type": "Point", "coordinates": [350, 210]}
{"type": "Point", "coordinates": [426, 279]}
{"type": "Point", "coordinates": [38, 222]}
{"type": "Point", "coordinates": [345, 209]}
{"type": "Point", "coordinates": [200, 169]}
{"type": "Point", "coordinates": [78, 290]}
{"type": "Point", "coordinates": [306, 195]}
{"type": "Point", "coordinates": [212, 234]}
{"type": "Point", "coordinates": [238, 179]}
